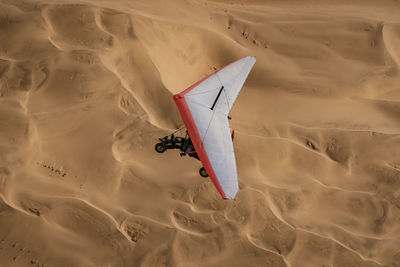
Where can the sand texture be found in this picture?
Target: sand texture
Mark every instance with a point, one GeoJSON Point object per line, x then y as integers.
{"type": "Point", "coordinates": [86, 89]}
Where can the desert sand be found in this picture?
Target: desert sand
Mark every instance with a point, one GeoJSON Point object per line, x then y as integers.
{"type": "Point", "coordinates": [86, 89]}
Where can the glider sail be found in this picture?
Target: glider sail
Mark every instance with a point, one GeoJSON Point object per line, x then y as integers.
{"type": "Point", "coordinates": [204, 108]}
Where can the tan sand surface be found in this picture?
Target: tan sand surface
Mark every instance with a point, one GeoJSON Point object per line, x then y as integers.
{"type": "Point", "coordinates": [86, 88]}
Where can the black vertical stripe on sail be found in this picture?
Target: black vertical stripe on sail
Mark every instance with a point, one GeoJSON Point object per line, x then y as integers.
{"type": "Point", "coordinates": [216, 99]}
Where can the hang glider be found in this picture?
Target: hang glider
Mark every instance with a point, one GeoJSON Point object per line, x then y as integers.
{"type": "Point", "coordinates": [204, 108]}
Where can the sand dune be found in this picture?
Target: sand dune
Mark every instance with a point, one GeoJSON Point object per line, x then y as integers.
{"type": "Point", "coordinates": [86, 88]}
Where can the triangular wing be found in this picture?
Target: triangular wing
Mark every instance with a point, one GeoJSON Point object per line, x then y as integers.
{"type": "Point", "coordinates": [204, 108]}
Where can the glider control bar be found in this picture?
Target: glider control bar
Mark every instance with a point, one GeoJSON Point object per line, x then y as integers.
{"type": "Point", "coordinates": [216, 99]}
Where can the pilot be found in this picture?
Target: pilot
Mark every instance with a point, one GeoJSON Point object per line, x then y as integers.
{"type": "Point", "coordinates": [188, 149]}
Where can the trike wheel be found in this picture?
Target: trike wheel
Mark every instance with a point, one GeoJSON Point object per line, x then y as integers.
{"type": "Point", "coordinates": [203, 172]}
{"type": "Point", "coordinates": [160, 148]}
